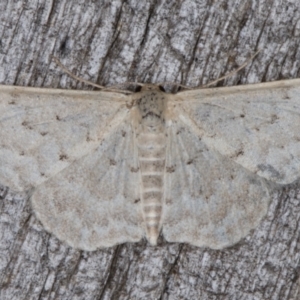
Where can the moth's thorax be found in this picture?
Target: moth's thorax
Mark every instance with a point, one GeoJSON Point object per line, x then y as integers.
{"type": "Point", "coordinates": [151, 105]}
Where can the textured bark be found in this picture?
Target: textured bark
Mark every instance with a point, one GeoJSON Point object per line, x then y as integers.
{"type": "Point", "coordinates": [110, 42]}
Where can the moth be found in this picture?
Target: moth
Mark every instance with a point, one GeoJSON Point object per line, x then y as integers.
{"type": "Point", "coordinates": [104, 168]}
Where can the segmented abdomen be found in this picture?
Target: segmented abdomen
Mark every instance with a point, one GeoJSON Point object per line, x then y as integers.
{"type": "Point", "coordinates": [151, 150]}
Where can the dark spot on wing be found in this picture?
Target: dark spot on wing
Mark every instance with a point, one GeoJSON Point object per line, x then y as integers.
{"type": "Point", "coordinates": [240, 152]}
{"type": "Point", "coordinates": [58, 118]}
{"type": "Point", "coordinates": [134, 170]}
{"type": "Point", "coordinates": [43, 133]}
{"type": "Point", "coordinates": [274, 118]}
{"type": "Point", "coordinates": [190, 161]}
{"type": "Point", "coordinates": [22, 153]}
{"type": "Point", "coordinates": [137, 200]}
{"type": "Point", "coordinates": [242, 115]}
{"type": "Point", "coordinates": [171, 169]}
{"type": "Point", "coordinates": [63, 157]}
{"type": "Point", "coordinates": [112, 162]}
{"type": "Point", "coordinates": [88, 138]}
{"type": "Point", "coordinates": [123, 133]}
{"type": "Point", "coordinates": [181, 129]}
{"type": "Point", "coordinates": [26, 124]}
{"type": "Point", "coordinates": [12, 102]}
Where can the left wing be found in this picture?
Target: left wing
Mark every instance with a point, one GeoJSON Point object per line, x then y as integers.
{"type": "Point", "coordinates": [210, 200]}
{"type": "Point", "coordinates": [75, 151]}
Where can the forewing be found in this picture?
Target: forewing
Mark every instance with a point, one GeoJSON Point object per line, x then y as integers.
{"type": "Point", "coordinates": [256, 126]}
{"type": "Point", "coordinates": [95, 202]}
{"type": "Point", "coordinates": [42, 131]}
{"type": "Point", "coordinates": [210, 200]}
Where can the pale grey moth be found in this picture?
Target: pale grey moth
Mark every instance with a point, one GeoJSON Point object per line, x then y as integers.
{"type": "Point", "coordinates": [106, 168]}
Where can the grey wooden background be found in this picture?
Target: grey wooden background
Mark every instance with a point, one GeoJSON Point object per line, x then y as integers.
{"type": "Point", "coordinates": [110, 42]}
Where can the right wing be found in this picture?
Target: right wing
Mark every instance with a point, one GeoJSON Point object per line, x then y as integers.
{"type": "Point", "coordinates": [95, 202]}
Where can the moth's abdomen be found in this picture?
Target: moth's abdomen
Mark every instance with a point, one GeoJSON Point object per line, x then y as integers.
{"type": "Point", "coordinates": [151, 149]}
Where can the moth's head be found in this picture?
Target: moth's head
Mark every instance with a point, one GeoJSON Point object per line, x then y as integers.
{"type": "Point", "coordinates": [150, 87]}
{"type": "Point", "coordinates": [168, 88]}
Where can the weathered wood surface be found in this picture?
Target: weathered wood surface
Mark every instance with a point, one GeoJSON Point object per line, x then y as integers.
{"type": "Point", "coordinates": [109, 42]}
